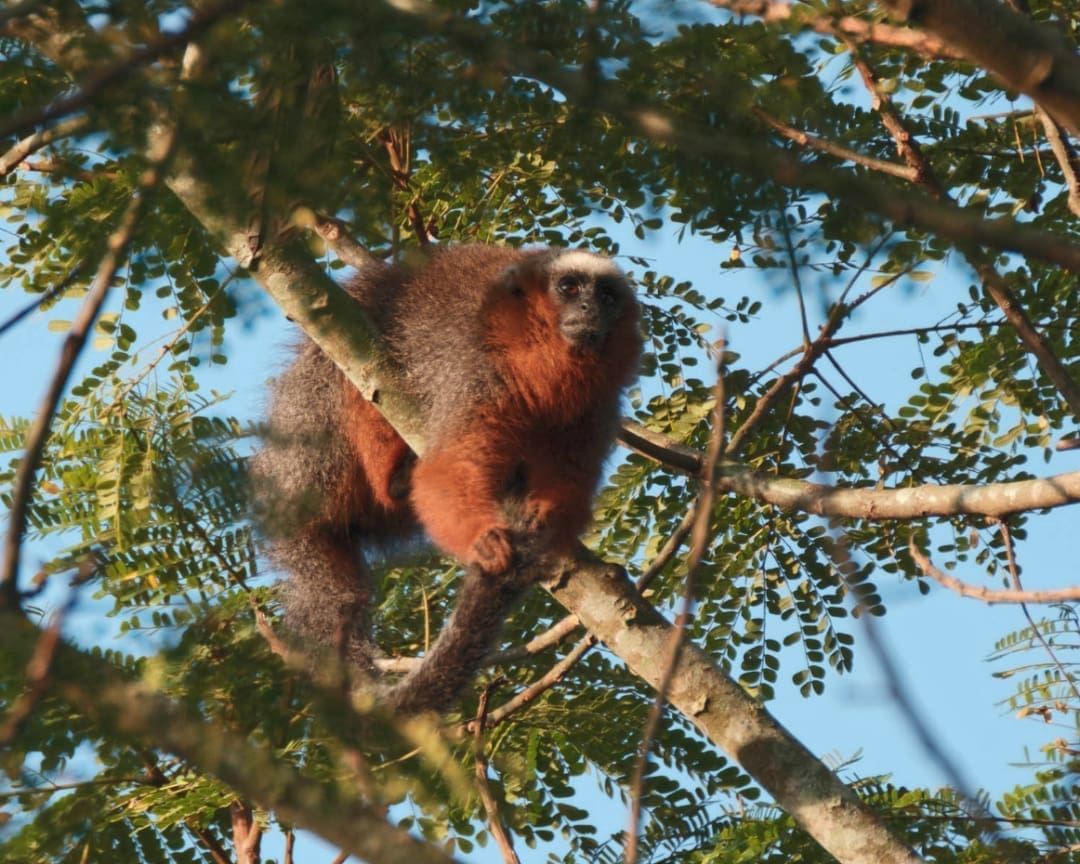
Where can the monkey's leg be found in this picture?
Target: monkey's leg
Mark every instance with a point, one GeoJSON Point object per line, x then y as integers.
{"type": "Point", "coordinates": [328, 594]}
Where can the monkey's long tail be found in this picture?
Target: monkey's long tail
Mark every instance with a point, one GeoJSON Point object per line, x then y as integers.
{"type": "Point", "coordinates": [483, 602]}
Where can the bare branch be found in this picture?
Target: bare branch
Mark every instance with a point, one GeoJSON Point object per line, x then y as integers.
{"type": "Point", "coordinates": [491, 807]}
{"type": "Point", "coordinates": [548, 680]}
{"type": "Point", "coordinates": [992, 499]}
{"type": "Point", "coordinates": [990, 595]}
{"type": "Point", "coordinates": [667, 552]}
{"type": "Point", "coordinates": [805, 139]}
{"type": "Point", "coordinates": [40, 139]}
{"type": "Point", "coordinates": [338, 237]}
{"type": "Point", "coordinates": [246, 832]}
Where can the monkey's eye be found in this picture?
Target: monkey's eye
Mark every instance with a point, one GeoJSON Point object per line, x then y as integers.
{"type": "Point", "coordinates": [568, 286]}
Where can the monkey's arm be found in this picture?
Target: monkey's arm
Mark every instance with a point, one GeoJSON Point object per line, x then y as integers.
{"type": "Point", "coordinates": [459, 492]}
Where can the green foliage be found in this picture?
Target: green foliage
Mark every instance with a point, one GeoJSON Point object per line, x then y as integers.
{"type": "Point", "coordinates": [414, 128]}
{"type": "Point", "coordinates": [1040, 663]}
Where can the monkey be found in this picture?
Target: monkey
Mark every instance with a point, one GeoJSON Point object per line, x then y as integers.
{"type": "Point", "coordinates": [516, 360]}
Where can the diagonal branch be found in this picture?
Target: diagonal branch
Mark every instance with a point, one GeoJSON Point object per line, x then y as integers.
{"type": "Point", "coordinates": [113, 701]}
{"type": "Point", "coordinates": [990, 595]}
{"type": "Point", "coordinates": [40, 139]}
{"type": "Point", "coordinates": [116, 248]}
{"type": "Point", "coordinates": [805, 139]}
{"type": "Point", "coordinates": [607, 603]}
{"type": "Point", "coordinates": [992, 280]}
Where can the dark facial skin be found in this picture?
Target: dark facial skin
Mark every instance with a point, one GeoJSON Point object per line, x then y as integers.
{"type": "Point", "coordinates": [588, 306]}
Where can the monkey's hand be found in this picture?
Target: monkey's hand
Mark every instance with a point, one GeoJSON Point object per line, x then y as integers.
{"type": "Point", "coordinates": [493, 552]}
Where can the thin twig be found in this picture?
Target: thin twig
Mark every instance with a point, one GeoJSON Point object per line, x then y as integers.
{"type": "Point", "coordinates": [805, 139]}
{"type": "Point", "coordinates": [667, 552]}
{"type": "Point", "coordinates": [1064, 154]}
{"type": "Point", "coordinates": [36, 679]}
{"type": "Point", "coordinates": [57, 289]}
{"type": "Point", "coordinates": [116, 248]}
{"type": "Point", "coordinates": [552, 636]}
{"type": "Point", "coordinates": [841, 557]}
{"type": "Point", "coordinates": [398, 145]}
{"type": "Point", "coordinates": [531, 693]}
{"type": "Point", "coordinates": [491, 807]}
{"type": "Point", "coordinates": [703, 508]}
{"type": "Point", "coordinates": [990, 595]}
{"type": "Point", "coordinates": [1014, 573]}
{"type": "Point", "coordinates": [275, 642]}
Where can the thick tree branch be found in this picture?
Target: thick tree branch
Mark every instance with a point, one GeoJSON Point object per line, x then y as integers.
{"type": "Point", "coordinates": [826, 22]}
{"type": "Point", "coordinates": [609, 606]}
{"type": "Point", "coordinates": [1034, 58]}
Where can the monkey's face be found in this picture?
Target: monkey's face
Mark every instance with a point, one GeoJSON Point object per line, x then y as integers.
{"type": "Point", "coordinates": [590, 294]}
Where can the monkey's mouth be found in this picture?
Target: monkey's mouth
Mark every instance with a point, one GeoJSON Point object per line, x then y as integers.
{"type": "Point", "coordinates": [582, 334]}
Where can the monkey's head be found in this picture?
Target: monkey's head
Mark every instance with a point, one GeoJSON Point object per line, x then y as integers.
{"type": "Point", "coordinates": [565, 324]}
{"type": "Point", "coordinates": [587, 293]}
{"type": "Point", "coordinates": [591, 294]}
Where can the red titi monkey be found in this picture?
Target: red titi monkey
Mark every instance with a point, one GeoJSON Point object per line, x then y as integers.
{"type": "Point", "coordinates": [517, 360]}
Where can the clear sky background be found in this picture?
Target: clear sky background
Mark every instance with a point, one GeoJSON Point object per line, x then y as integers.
{"type": "Point", "coordinates": [940, 643]}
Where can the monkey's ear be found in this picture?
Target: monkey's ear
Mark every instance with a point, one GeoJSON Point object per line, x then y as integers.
{"type": "Point", "coordinates": [511, 280]}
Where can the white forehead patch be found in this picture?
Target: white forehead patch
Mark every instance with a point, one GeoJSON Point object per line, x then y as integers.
{"type": "Point", "coordinates": [589, 263]}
